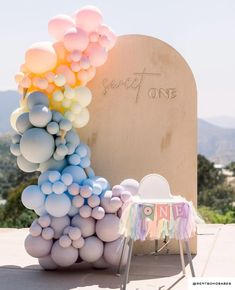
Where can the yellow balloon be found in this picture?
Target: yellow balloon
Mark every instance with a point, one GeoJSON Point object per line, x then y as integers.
{"type": "Point", "coordinates": [82, 118]}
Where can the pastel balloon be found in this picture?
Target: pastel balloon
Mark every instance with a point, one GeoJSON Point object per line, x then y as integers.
{"type": "Point", "coordinates": [35, 230]}
{"type": "Point", "coordinates": [113, 251]}
{"type": "Point", "coordinates": [37, 246]}
{"type": "Point", "coordinates": [68, 74]}
{"type": "Point", "coordinates": [108, 227]}
{"type": "Point", "coordinates": [85, 191]}
{"type": "Point", "coordinates": [15, 138]}
{"type": "Point", "coordinates": [67, 179]}
{"type": "Point", "coordinates": [86, 225]}
{"type": "Point", "coordinates": [41, 57]}
{"type": "Point", "coordinates": [14, 115]}
{"type": "Point", "coordinates": [64, 257]}
{"type": "Point", "coordinates": [130, 185]}
{"type": "Point", "coordinates": [112, 37]}
{"type": "Point", "coordinates": [82, 76]}
{"type": "Point", "coordinates": [40, 211]}
{"type": "Point", "coordinates": [58, 205]}
{"type": "Point", "coordinates": [92, 250]}
{"type": "Point", "coordinates": [47, 263]}
{"type": "Point", "coordinates": [73, 189]}
{"type": "Point", "coordinates": [65, 241]}
{"type": "Point", "coordinates": [60, 51]}
{"type": "Point", "coordinates": [59, 187]}
{"type": "Point", "coordinates": [59, 25]}
{"type": "Point", "coordinates": [32, 197]}
{"type": "Point", "coordinates": [44, 221]}
{"type": "Point", "coordinates": [53, 164]}
{"type": "Point", "coordinates": [77, 173]}
{"type": "Point", "coordinates": [82, 119]}
{"type": "Point", "coordinates": [59, 224]}
{"type": "Point", "coordinates": [76, 40]}
{"type": "Point", "coordinates": [40, 141]}
{"type": "Point", "coordinates": [26, 165]}
{"type": "Point", "coordinates": [93, 201]}
{"type": "Point", "coordinates": [60, 80]}
{"type": "Point", "coordinates": [54, 176]}
{"type": "Point", "coordinates": [117, 190]}
{"type": "Point", "coordinates": [79, 243]}
{"type": "Point", "coordinates": [46, 187]}
{"type": "Point", "coordinates": [40, 116]}
{"type": "Point", "coordinates": [98, 212]}
{"type": "Point", "coordinates": [97, 54]}
{"type": "Point", "coordinates": [85, 211]}
{"type": "Point", "coordinates": [73, 211]}
{"type": "Point", "coordinates": [88, 18]}
{"type": "Point", "coordinates": [37, 98]}
{"type": "Point", "coordinates": [74, 233]}
{"type": "Point", "coordinates": [84, 96]}
{"type": "Point", "coordinates": [48, 233]}
{"type": "Point", "coordinates": [23, 123]}
{"type": "Point", "coordinates": [15, 149]}
{"type": "Point", "coordinates": [109, 203]}
{"type": "Point", "coordinates": [78, 201]}
{"type": "Point", "coordinates": [53, 128]}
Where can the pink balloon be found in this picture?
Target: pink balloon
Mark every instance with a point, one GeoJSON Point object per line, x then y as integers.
{"type": "Point", "coordinates": [88, 18]}
{"type": "Point", "coordinates": [76, 55]}
{"type": "Point", "coordinates": [82, 76]}
{"type": "Point", "coordinates": [97, 54]}
{"type": "Point", "coordinates": [59, 25]}
{"type": "Point", "coordinates": [104, 41]}
{"type": "Point", "coordinates": [67, 72]}
{"type": "Point", "coordinates": [94, 37]}
{"type": "Point", "coordinates": [40, 83]}
{"type": "Point", "coordinates": [75, 66]}
{"type": "Point", "coordinates": [84, 62]}
{"type": "Point", "coordinates": [106, 31]}
{"type": "Point", "coordinates": [76, 40]}
{"type": "Point", "coordinates": [91, 72]}
{"type": "Point", "coordinates": [41, 57]}
{"type": "Point", "coordinates": [26, 82]}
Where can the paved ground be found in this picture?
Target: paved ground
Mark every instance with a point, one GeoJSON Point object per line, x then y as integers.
{"type": "Point", "coordinates": [216, 257]}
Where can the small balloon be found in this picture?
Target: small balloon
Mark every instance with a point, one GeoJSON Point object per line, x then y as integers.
{"type": "Point", "coordinates": [76, 40]}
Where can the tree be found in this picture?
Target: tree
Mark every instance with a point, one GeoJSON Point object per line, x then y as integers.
{"type": "Point", "coordinates": [231, 167]}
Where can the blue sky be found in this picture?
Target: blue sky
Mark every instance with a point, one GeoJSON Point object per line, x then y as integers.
{"type": "Point", "coordinates": [201, 30]}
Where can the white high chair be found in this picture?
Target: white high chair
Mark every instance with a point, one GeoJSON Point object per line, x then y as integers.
{"type": "Point", "coordinates": [154, 189]}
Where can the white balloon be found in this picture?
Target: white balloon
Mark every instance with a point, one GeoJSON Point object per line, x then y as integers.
{"type": "Point", "coordinates": [113, 250]}
{"type": "Point", "coordinates": [32, 197]}
{"type": "Point", "coordinates": [93, 201]}
{"type": "Point", "coordinates": [117, 190]}
{"type": "Point", "coordinates": [14, 115]}
{"type": "Point", "coordinates": [92, 250]}
{"type": "Point", "coordinates": [58, 205]}
{"type": "Point", "coordinates": [107, 229]}
{"type": "Point", "coordinates": [109, 203]}
{"type": "Point", "coordinates": [53, 128]}
{"type": "Point", "coordinates": [26, 165]}
{"type": "Point", "coordinates": [47, 263]}
{"type": "Point", "coordinates": [86, 225]}
{"type": "Point", "coordinates": [65, 241]}
{"type": "Point", "coordinates": [15, 149]}
{"type": "Point", "coordinates": [64, 257]}
{"type": "Point", "coordinates": [23, 123]}
{"type": "Point", "coordinates": [15, 138]}
{"type": "Point", "coordinates": [58, 225]}
{"type": "Point", "coordinates": [37, 145]}
{"type": "Point", "coordinates": [37, 247]}
{"type": "Point", "coordinates": [74, 233]}
{"type": "Point", "coordinates": [82, 118]}
{"type": "Point", "coordinates": [84, 96]}
{"type": "Point", "coordinates": [130, 185]}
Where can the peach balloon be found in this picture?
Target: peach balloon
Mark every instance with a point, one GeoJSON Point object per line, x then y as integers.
{"type": "Point", "coordinates": [59, 25]}
{"type": "Point", "coordinates": [60, 51]}
{"type": "Point", "coordinates": [97, 54]}
{"type": "Point", "coordinates": [104, 30]}
{"type": "Point", "coordinates": [67, 73]}
{"type": "Point", "coordinates": [41, 57]}
{"type": "Point", "coordinates": [76, 40]}
{"type": "Point", "coordinates": [88, 18]}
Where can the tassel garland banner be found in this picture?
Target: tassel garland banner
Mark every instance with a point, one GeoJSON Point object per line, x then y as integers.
{"type": "Point", "coordinates": [157, 221]}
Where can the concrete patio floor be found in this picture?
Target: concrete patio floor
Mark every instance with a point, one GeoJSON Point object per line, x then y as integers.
{"type": "Point", "coordinates": [215, 258]}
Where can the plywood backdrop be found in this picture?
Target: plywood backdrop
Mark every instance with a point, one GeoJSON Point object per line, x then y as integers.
{"type": "Point", "coordinates": [143, 116]}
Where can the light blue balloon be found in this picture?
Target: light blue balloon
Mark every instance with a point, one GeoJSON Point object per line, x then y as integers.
{"type": "Point", "coordinates": [58, 205]}
{"type": "Point", "coordinates": [81, 150]}
{"type": "Point", "coordinates": [59, 141]}
{"type": "Point", "coordinates": [90, 172]}
{"type": "Point", "coordinates": [71, 148]}
{"type": "Point", "coordinates": [73, 211]}
{"type": "Point", "coordinates": [103, 182]}
{"type": "Point", "coordinates": [40, 116]}
{"type": "Point", "coordinates": [74, 159]}
{"type": "Point", "coordinates": [37, 145]}
{"type": "Point", "coordinates": [97, 188]}
{"type": "Point", "coordinates": [67, 179]}
{"type": "Point", "coordinates": [46, 187]}
{"type": "Point", "coordinates": [65, 125]}
{"type": "Point", "coordinates": [23, 123]}
{"type": "Point", "coordinates": [59, 187]}
{"type": "Point", "coordinates": [54, 176]}
{"type": "Point", "coordinates": [37, 98]}
{"type": "Point", "coordinates": [44, 177]}
{"type": "Point", "coordinates": [53, 164]}
{"type": "Point", "coordinates": [88, 182]}
{"type": "Point", "coordinates": [56, 116]}
{"type": "Point", "coordinates": [72, 137]}
{"type": "Point", "coordinates": [53, 128]}
{"type": "Point", "coordinates": [32, 197]}
{"type": "Point", "coordinates": [62, 150]}
{"type": "Point", "coordinates": [85, 162]}
{"type": "Point", "coordinates": [77, 173]}
{"type": "Point", "coordinates": [15, 138]}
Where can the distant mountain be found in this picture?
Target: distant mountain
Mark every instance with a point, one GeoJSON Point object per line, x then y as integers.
{"type": "Point", "coordinates": [216, 143]}
{"type": "Point", "coordinates": [222, 121]}
{"type": "Point", "coordinates": [9, 102]}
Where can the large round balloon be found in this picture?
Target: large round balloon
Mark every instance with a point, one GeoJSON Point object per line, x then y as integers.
{"type": "Point", "coordinates": [32, 197]}
{"type": "Point", "coordinates": [59, 25]}
{"type": "Point", "coordinates": [63, 257]}
{"type": "Point", "coordinates": [58, 205]}
{"type": "Point", "coordinates": [37, 246]}
{"type": "Point", "coordinates": [86, 225]}
{"type": "Point", "coordinates": [37, 145]}
{"type": "Point", "coordinates": [107, 228]}
{"type": "Point", "coordinates": [92, 250]}
{"type": "Point", "coordinates": [58, 225]}
{"type": "Point", "coordinates": [88, 18]}
{"type": "Point", "coordinates": [113, 250]}
{"type": "Point", "coordinates": [77, 173]}
{"type": "Point", "coordinates": [40, 57]}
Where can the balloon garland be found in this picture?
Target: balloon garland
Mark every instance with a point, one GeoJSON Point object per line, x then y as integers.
{"type": "Point", "coordinates": [78, 212]}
